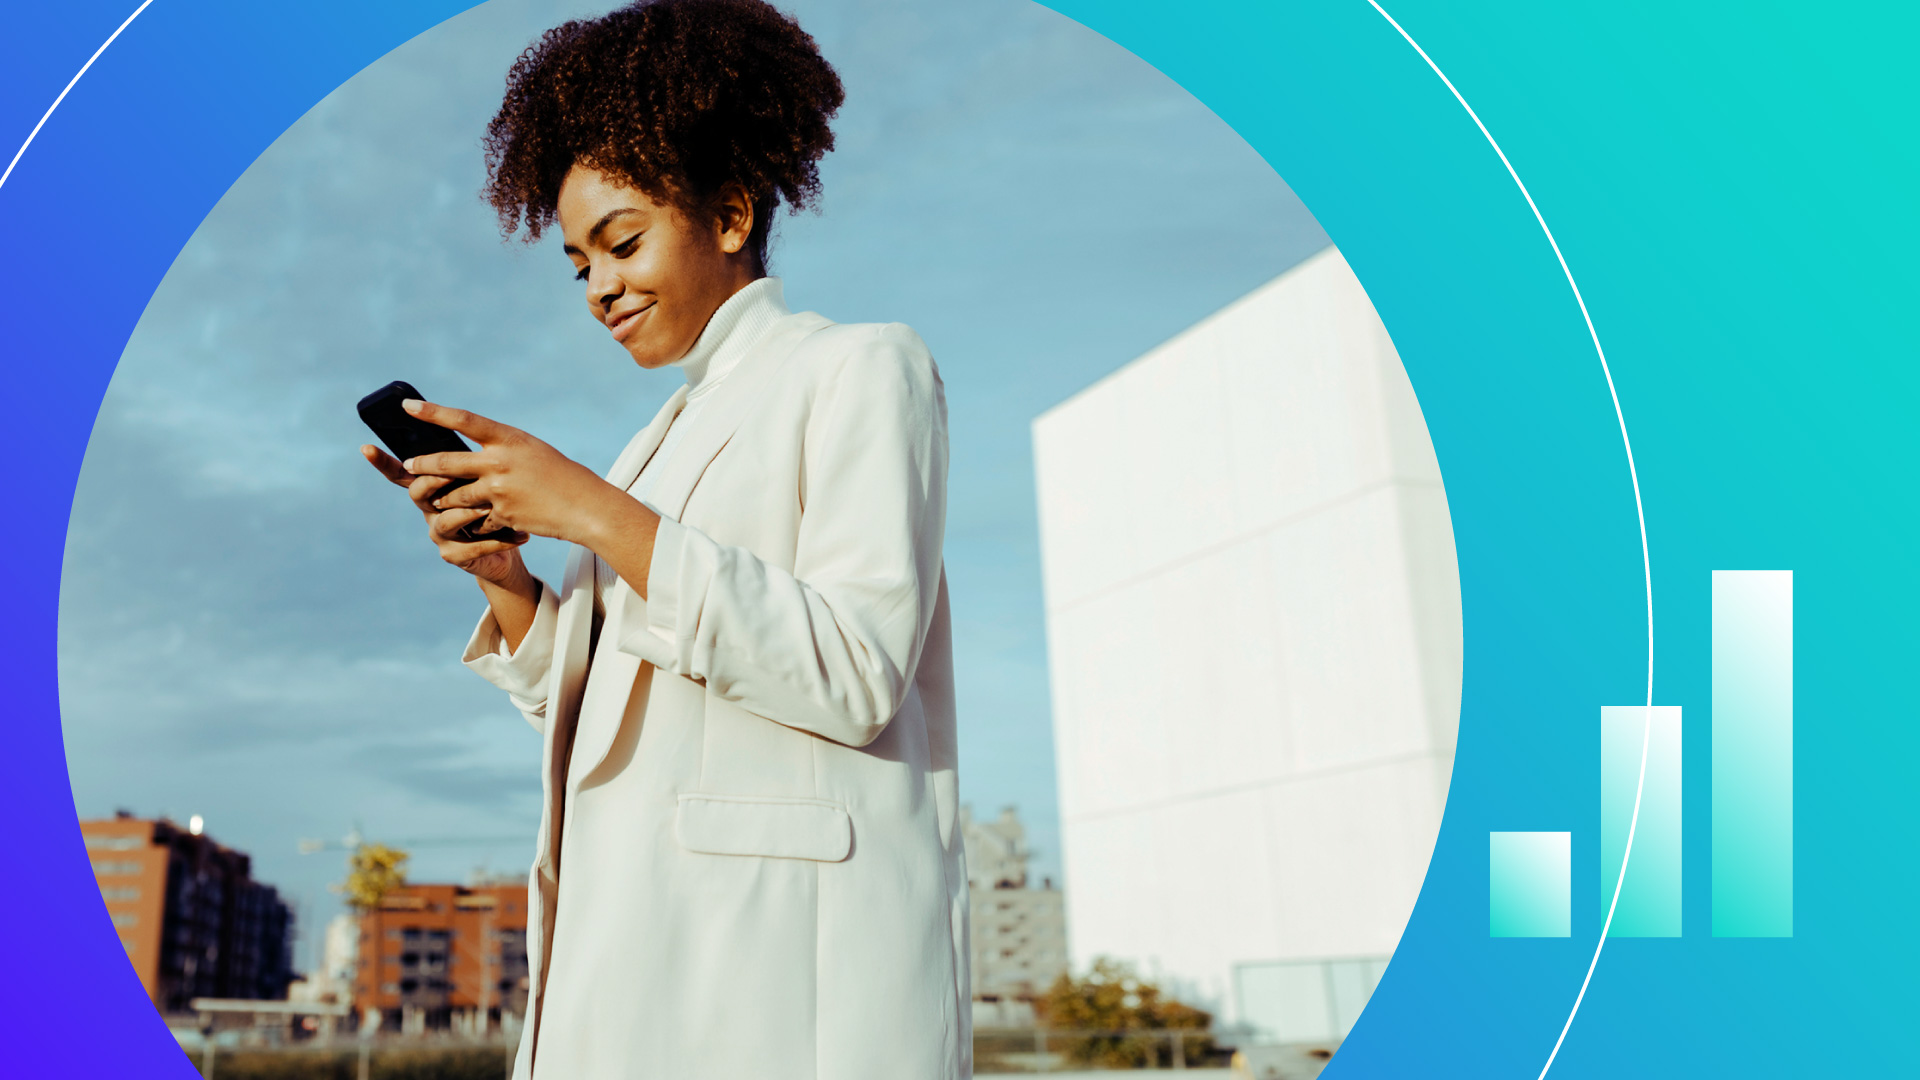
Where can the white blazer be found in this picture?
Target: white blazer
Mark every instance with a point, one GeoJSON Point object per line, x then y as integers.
{"type": "Point", "coordinates": [753, 778]}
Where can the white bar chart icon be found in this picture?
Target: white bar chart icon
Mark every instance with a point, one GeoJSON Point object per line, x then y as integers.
{"type": "Point", "coordinates": [1753, 753]}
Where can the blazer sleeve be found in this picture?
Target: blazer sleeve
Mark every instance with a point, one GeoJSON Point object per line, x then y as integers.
{"type": "Point", "coordinates": [832, 647]}
{"type": "Point", "coordinates": [521, 672]}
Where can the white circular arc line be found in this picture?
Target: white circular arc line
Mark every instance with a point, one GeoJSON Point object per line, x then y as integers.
{"type": "Point", "coordinates": [63, 93]}
{"type": "Point", "coordinates": [1646, 560]}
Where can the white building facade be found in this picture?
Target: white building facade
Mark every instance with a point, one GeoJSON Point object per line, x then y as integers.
{"type": "Point", "coordinates": [1253, 620]}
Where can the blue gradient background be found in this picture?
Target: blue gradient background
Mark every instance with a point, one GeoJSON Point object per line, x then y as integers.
{"type": "Point", "coordinates": [1732, 185]}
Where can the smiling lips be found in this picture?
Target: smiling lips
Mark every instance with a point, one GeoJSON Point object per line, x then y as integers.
{"type": "Point", "coordinates": [623, 324]}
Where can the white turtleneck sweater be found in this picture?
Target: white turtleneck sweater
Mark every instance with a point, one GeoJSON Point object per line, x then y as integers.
{"type": "Point", "coordinates": [736, 326]}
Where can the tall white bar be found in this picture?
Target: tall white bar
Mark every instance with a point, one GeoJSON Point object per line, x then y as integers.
{"type": "Point", "coordinates": [1753, 753]}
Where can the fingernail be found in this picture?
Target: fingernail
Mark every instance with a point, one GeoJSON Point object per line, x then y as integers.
{"type": "Point", "coordinates": [412, 404]}
{"type": "Point", "coordinates": [407, 464]}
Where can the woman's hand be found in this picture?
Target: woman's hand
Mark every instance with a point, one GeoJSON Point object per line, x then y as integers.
{"type": "Point", "coordinates": [494, 562]}
{"type": "Point", "coordinates": [517, 481]}
{"type": "Point", "coordinates": [521, 483]}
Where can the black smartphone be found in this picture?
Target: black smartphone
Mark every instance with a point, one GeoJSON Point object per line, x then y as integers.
{"type": "Point", "coordinates": [408, 436]}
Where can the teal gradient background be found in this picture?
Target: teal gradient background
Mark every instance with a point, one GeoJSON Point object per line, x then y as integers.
{"type": "Point", "coordinates": [1529, 884]}
{"type": "Point", "coordinates": [1649, 904]}
{"type": "Point", "coordinates": [1731, 186]}
{"type": "Point", "coordinates": [1731, 183]}
{"type": "Point", "coordinates": [1753, 841]}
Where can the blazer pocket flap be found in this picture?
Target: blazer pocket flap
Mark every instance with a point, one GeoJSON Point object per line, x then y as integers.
{"type": "Point", "coordinates": [749, 825]}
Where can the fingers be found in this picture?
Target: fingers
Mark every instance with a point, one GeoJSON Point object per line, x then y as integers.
{"type": "Point", "coordinates": [423, 491]}
{"type": "Point", "coordinates": [462, 554]}
{"type": "Point", "coordinates": [462, 496]}
{"type": "Point", "coordinates": [450, 526]}
{"type": "Point", "coordinates": [462, 465]}
{"type": "Point", "coordinates": [470, 551]}
{"type": "Point", "coordinates": [459, 527]}
{"type": "Point", "coordinates": [470, 424]}
{"type": "Point", "coordinates": [388, 466]}
{"type": "Point", "coordinates": [489, 560]}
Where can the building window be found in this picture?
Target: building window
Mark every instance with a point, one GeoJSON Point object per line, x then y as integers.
{"type": "Point", "coordinates": [108, 868]}
{"type": "Point", "coordinates": [127, 892]}
{"type": "Point", "coordinates": [115, 843]}
{"type": "Point", "coordinates": [123, 918]}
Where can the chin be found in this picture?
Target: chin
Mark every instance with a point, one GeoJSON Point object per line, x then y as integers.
{"type": "Point", "coordinates": [649, 358]}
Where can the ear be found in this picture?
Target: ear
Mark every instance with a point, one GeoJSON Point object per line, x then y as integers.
{"type": "Point", "coordinates": [733, 210]}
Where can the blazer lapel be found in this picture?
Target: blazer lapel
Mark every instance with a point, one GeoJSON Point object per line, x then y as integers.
{"type": "Point", "coordinates": [604, 701]}
{"type": "Point", "coordinates": [565, 680]}
{"type": "Point", "coordinates": [732, 401]}
{"type": "Point", "coordinates": [572, 636]}
{"type": "Point", "coordinates": [641, 447]}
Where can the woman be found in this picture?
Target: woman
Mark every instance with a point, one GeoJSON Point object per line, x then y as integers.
{"type": "Point", "coordinates": [748, 864]}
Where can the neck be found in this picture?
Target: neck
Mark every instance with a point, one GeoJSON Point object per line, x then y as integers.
{"type": "Point", "coordinates": [730, 331]}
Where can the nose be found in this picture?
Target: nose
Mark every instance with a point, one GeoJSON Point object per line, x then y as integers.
{"type": "Point", "coordinates": [604, 288]}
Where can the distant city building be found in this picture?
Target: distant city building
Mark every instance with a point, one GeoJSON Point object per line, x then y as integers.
{"type": "Point", "coordinates": [188, 912]}
{"type": "Point", "coordinates": [1019, 933]}
{"type": "Point", "coordinates": [340, 952]}
{"type": "Point", "coordinates": [340, 958]}
{"type": "Point", "coordinates": [444, 957]}
{"type": "Point", "coordinates": [1256, 683]}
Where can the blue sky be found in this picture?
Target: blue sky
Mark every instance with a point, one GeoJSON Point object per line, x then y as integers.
{"type": "Point", "coordinates": [253, 627]}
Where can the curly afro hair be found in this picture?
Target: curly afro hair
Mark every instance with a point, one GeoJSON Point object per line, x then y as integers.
{"type": "Point", "coordinates": [679, 98]}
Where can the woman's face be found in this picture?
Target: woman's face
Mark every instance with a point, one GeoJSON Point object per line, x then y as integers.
{"type": "Point", "coordinates": [653, 276]}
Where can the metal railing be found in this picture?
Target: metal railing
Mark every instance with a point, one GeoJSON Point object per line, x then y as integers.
{"type": "Point", "coordinates": [1048, 1049]}
{"type": "Point", "coordinates": [1028, 1050]}
{"type": "Point", "coordinates": [363, 1057]}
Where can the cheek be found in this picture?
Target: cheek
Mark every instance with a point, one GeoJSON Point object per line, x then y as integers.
{"type": "Point", "coordinates": [645, 274]}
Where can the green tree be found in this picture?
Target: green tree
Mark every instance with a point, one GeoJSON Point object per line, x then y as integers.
{"type": "Point", "coordinates": [1111, 998]}
{"type": "Point", "coordinates": [373, 870]}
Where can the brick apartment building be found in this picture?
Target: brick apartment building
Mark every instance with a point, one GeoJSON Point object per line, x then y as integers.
{"type": "Point", "coordinates": [188, 912]}
{"type": "Point", "coordinates": [444, 956]}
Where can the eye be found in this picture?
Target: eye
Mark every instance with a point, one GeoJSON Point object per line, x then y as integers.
{"type": "Point", "coordinates": [625, 247]}
{"type": "Point", "coordinates": [581, 273]}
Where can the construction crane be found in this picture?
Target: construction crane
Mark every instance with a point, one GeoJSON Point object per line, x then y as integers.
{"type": "Point", "coordinates": [354, 840]}
{"type": "Point", "coordinates": [356, 845]}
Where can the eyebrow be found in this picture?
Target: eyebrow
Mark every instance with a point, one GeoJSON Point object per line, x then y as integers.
{"type": "Point", "coordinates": [593, 234]}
